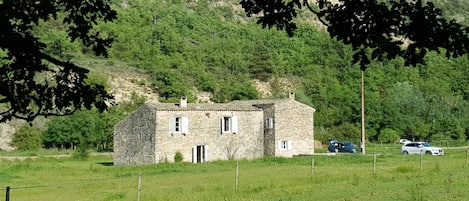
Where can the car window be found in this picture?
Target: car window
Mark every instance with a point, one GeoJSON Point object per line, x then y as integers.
{"type": "Point", "coordinates": [410, 145]}
{"type": "Point", "coordinates": [426, 145]}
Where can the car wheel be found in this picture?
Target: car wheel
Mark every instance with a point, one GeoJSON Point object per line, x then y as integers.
{"type": "Point", "coordinates": [405, 152]}
{"type": "Point", "coordinates": [428, 153]}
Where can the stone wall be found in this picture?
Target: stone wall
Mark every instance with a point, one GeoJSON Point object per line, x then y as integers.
{"type": "Point", "coordinates": [6, 135]}
{"type": "Point", "coordinates": [7, 130]}
{"type": "Point", "coordinates": [294, 122]}
{"type": "Point", "coordinates": [146, 136]}
{"type": "Point", "coordinates": [269, 133]}
{"type": "Point", "coordinates": [205, 129]}
{"type": "Point", "coordinates": [134, 138]}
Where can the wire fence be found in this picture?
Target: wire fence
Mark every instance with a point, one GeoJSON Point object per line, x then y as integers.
{"type": "Point", "coordinates": [8, 189]}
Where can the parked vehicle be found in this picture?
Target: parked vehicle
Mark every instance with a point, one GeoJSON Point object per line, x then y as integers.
{"type": "Point", "coordinates": [344, 147]}
{"type": "Point", "coordinates": [421, 148]}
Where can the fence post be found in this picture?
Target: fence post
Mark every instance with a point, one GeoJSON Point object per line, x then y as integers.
{"type": "Point", "coordinates": [138, 187]}
{"type": "Point", "coordinates": [312, 167]}
{"type": "Point", "coordinates": [7, 195]}
{"type": "Point", "coordinates": [374, 163]}
{"type": "Point", "coordinates": [421, 159]}
{"type": "Point", "coordinates": [467, 155]}
{"type": "Point", "coordinates": [236, 176]}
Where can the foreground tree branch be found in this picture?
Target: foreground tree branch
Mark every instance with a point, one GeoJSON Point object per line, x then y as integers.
{"type": "Point", "coordinates": [34, 83]}
{"type": "Point", "coordinates": [396, 28]}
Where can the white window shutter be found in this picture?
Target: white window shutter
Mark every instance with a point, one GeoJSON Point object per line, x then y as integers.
{"type": "Point", "coordinates": [279, 144]}
{"type": "Point", "coordinates": [194, 154]}
{"type": "Point", "coordinates": [222, 125]}
{"type": "Point", "coordinates": [172, 125]}
{"type": "Point", "coordinates": [234, 124]}
{"type": "Point", "coordinates": [206, 153]}
{"type": "Point", "coordinates": [271, 123]}
{"type": "Point", "coordinates": [290, 145]}
{"type": "Point", "coordinates": [185, 125]}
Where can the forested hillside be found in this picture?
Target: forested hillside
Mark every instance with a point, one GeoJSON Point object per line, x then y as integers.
{"type": "Point", "coordinates": [188, 46]}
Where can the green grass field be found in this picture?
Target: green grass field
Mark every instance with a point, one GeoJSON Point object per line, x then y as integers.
{"type": "Point", "coordinates": [342, 177]}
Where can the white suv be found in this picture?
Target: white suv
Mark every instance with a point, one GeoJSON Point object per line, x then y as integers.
{"type": "Point", "coordinates": [421, 148]}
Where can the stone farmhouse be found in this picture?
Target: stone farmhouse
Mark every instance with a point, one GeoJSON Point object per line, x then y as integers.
{"type": "Point", "coordinates": [203, 132]}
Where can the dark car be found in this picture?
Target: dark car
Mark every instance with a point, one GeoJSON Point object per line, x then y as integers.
{"type": "Point", "coordinates": [344, 147]}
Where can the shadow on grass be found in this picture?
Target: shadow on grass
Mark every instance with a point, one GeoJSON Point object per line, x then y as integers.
{"type": "Point", "coordinates": [106, 163]}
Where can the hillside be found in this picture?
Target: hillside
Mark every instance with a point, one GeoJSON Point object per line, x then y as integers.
{"type": "Point", "coordinates": [214, 48]}
{"type": "Point", "coordinates": [210, 51]}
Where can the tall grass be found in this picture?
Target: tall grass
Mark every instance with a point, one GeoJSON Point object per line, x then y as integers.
{"type": "Point", "coordinates": [342, 177]}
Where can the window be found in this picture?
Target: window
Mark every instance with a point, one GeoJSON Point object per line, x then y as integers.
{"type": "Point", "coordinates": [285, 145]}
{"type": "Point", "coordinates": [179, 125]}
{"type": "Point", "coordinates": [269, 123]}
{"type": "Point", "coordinates": [226, 124]}
{"type": "Point", "coordinates": [229, 124]}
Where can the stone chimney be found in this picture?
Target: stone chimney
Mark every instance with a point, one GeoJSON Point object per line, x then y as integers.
{"type": "Point", "coordinates": [183, 102]}
{"type": "Point", "coordinates": [291, 96]}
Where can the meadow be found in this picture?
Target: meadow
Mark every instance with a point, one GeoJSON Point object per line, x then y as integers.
{"type": "Point", "coordinates": [338, 177]}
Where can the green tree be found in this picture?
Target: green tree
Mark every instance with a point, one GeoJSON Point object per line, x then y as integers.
{"type": "Point", "coordinates": [260, 66]}
{"type": "Point", "coordinates": [235, 88]}
{"type": "Point", "coordinates": [56, 135]}
{"type": "Point", "coordinates": [87, 128]}
{"type": "Point", "coordinates": [376, 31]}
{"type": "Point", "coordinates": [406, 110]}
{"type": "Point", "coordinates": [84, 129]}
{"type": "Point", "coordinates": [34, 82]}
{"type": "Point", "coordinates": [170, 84]}
{"type": "Point", "coordinates": [348, 131]}
{"type": "Point", "coordinates": [388, 135]}
{"type": "Point", "coordinates": [27, 138]}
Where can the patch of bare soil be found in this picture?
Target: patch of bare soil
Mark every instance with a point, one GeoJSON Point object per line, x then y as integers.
{"type": "Point", "coordinates": [122, 87]}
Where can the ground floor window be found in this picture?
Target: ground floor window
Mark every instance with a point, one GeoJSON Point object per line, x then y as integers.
{"type": "Point", "coordinates": [285, 145]}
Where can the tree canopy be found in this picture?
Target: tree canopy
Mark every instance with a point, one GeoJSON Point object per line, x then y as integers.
{"type": "Point", "coordinates": [34, 82]}
{"type": "Point", "coordinates": [380, 30]}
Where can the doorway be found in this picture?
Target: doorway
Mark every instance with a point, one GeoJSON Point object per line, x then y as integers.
{"type": "Point", "coordinates": [199, 154]}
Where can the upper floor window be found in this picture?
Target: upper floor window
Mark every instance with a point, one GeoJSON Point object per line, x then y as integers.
{"type": "Point", "coordinates": [179, 125]}
{"type": "Point", "coordinates": [229, 124]}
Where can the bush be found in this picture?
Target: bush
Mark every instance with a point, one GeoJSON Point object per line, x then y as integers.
{"type": "Point", "coordinates": [178, 157]}
{"type": "Point", "coordinates": [81, 152]}
{"type": "Point", "coordinates": [388, 136]}
{"type": "Point", "coordinates": [27, 138]}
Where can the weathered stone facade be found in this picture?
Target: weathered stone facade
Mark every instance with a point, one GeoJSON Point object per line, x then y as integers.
{"type": "Point", "coordinates": [251, 129]}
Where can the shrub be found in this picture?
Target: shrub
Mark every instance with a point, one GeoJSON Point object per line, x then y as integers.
{"type": "Point", "coordinates": [81, 153]}
{"type": "Point", "coordinates": [178, 157]}
{"type": "Point", "coordinates": [388, 136]}
{"type": "Point", "coordinates": [27, 138]}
